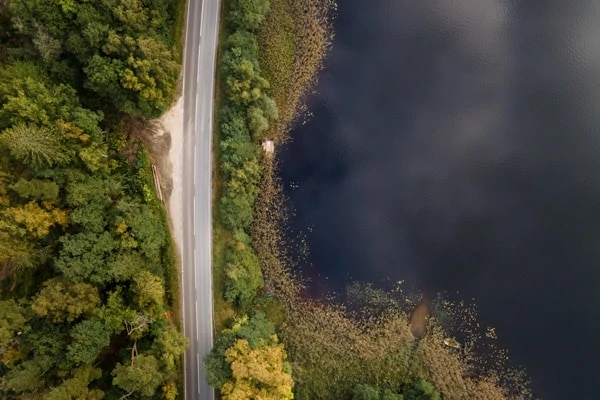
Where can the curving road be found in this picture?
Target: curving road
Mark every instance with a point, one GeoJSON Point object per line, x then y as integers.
{"type": "Point", "coordinates": [202, 28]}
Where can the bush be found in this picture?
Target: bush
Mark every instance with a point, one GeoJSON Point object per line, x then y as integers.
{"type": "Point", "coordinates": [421, 390]}
{"type": "Point", "coordinates": [244, 276]}
{"type": "Point", "coordinates": [248, 14]}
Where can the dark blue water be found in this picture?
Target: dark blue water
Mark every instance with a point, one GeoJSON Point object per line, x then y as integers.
{"type": "Point", "coordinates": [456, 145]}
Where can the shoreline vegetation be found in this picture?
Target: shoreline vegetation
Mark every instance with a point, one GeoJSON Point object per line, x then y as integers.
{"type": "Point", "coordinates": [272, 340]}
{"type": "Point", "coordinates": [89, 288]}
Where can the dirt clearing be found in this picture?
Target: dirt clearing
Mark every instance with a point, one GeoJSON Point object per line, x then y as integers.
{"type": "Point", "coordinates": [164, 142]}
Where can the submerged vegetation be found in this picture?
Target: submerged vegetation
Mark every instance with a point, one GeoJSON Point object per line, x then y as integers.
{"type": "Point", "coordinates": [87, 272]}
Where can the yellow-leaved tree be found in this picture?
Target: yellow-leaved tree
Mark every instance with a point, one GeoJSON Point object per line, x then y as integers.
{"type": "Point", "coordinates": [260, 373]}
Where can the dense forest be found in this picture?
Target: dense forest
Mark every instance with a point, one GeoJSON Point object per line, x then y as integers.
{"type": "Point", "coordinates": [87, 275]}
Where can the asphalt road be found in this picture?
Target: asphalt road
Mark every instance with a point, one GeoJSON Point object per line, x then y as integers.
{"type": "Point", "coordinates": [198, 86]}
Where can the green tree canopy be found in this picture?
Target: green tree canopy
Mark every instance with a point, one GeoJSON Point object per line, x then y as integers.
{"type": "Point", "coordinates": [142, 376]}
{"type": "Point", "coordinates": [257, 331]}
{"type": "Point", "coordinates": [27, 376]}
{"type": "Point", "coordinates": [149, 291]}
{"type": "Point", "coordinates": [420, 389]}
{"type": "Point", "coordinates": [243, 273]}
{"type": "Point", "coordinates": [368, 392]}
{"type": "Point", "coordinates": [77, 387]}
{"type": "Point", "coordinates": [168, 347]}
{"type": "Point", "coordinates": [148, 229]}
{"type": "Point", "coordinates": [61, 300]}
{"type": "Point", "coordinates": [47, 338]}
{"type": "Point", "coordinates": [83, 249]}
{"type": "Point", "coordinates": [33, 145]}
{"type": "Point", "coordinates": [84, 256]}
{"type": "Point", "coordinates": [88, 338]}
{"type": "Point", "coordinates": [114, 311]}
{"type": "Point", "coordinates": [248, 14]}
{"type": "Point", "coordinates": [12, 319]}
{"type": "Point", "coordinates": [36, 189]}
{"type": "Point", "coordinates": [387, 394]}
{"type": "Point", "coordinates": [33, 100]}
{"type": "Point", "coordinates": [365, 392]}
{"type": "Point", "coordinates": [139, 74]}
{"type": "Point", "coordinates": [122, 48]}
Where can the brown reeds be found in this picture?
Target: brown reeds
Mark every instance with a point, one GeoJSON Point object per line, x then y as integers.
{"type": "Point", "coordinates": [293, 42]}
{"type": "Point", "coordinates": [333, 349]}
{"type": "Point", "coordinates": [270, 218]}
{"type": "Point", "coordinates": [332, 353]}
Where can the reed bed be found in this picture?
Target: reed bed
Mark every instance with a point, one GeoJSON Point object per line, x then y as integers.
{"type": "Point", "coordinates": [293, 42]}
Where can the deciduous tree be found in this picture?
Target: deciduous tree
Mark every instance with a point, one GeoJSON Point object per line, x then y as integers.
{"type": "Point", "coordinates": [84, 256]}
{"type": "Point", "coordinates": [365, 392]}
{"type": "Point", "coordinates": [114, 312]}
{"type": "Point", "coordinates": [168, 347]}
{"type": "Point", "coordinates": [233, 125]}
{"type": "Point", "coordinates": [243, 272]}
{"type": "Point", "coordinates": [257, 122]}
{"type": "Point", "coordinates": [149, 291]}
{"type": "Point", "coordinates": [77, 387]}
{"type": "Point", "coordinates": [421, 390]}
{"type": "Point", "coordinates": [34, 221]}
{"type": "Point", "coordinates": [88, 338]}
{"type": "Point", "coordinates": [387, 394]}
{"type": "Point", "coordinates": [142, 376]}
{"type": "Point", "coordinates": [248, 14]}
{"type": "Point", "coordinates": [36, 189]}
{"type": "Point", "coordinates": [260, 373]}
{"type": "Point", "coordinates": [257, 331]}
{"type": "Point", "coordinates": [148, 229]}
{"type": "Point", "coordinates": [61, 300]}
{"type": "Point", "coordinates": [28, 376]}
{"type": "Point", "coordinates": [126, 264]}
{"type": "Point", "coordinates": [12, 319]}
{"type": "Point", "coordinates": [34, 101]}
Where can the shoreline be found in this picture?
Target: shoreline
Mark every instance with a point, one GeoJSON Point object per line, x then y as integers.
{"type": "Point", "coordinates": [330, 348]}
{"type": "Point", "coordinates": [367, 338]}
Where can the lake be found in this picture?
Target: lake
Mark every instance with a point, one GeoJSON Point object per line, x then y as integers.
{"type": "Point", "coordinates": [455, 145]}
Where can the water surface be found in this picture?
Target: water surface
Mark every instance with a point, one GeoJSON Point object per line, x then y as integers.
{"type": "Point", "coordinates": [455, 145]}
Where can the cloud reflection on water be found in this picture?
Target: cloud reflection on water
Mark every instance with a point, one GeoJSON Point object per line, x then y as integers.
{"type": "Point", "coordinates": [455, 144]}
